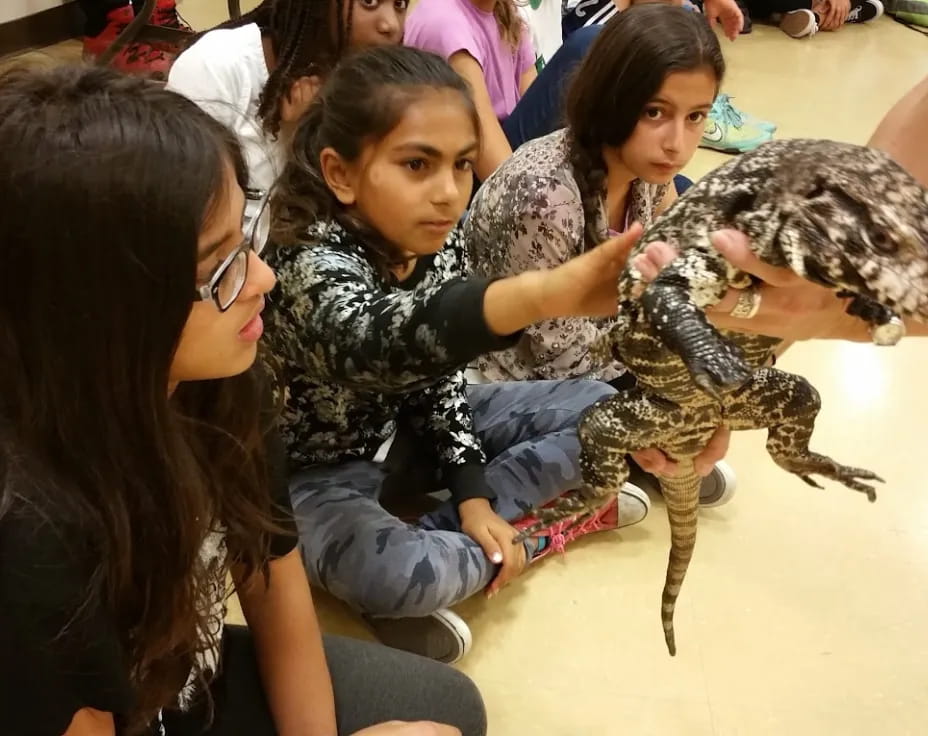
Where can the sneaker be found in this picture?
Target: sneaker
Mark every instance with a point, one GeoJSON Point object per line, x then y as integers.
{"type": "Point", "coordinates": [801, 23]}
{"type": "Point", "coordinates": [136, 58]}
{"type": "Point", "coordinates": [729, 132]}
{"type": "Point", "coordinates": [863, 11]}
{"type": "Point", "coordinates": [723, 107]}
{"type": "Point", "coordinates": [624, 509]}
{"type": "Point", "coordinates": [717, 488]}
{"type": "Point", "coordinates": [442, 636]}
{"type": "Point", "coordinates": [166, 16]}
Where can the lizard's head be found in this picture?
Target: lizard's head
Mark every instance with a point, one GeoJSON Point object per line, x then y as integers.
{"type": "Point", "coordinates": [856, 220]}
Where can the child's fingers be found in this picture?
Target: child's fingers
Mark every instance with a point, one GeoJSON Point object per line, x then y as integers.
{"type": "Point", "coordinates": [715, 450]}
{"type": "Point", "coordinates": [513, 559]}
{"type": "Point", "coordinates": [736, 249]}
{"type": "Point", "coordinates": [489, 545]}
{"type": "Point", "coordinates": [615, 250]}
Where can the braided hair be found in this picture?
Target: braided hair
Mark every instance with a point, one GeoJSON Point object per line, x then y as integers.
{"type": "Point", "coordinates": [301, 34]}
{"type": "Point", "coordinates": [621, 73]}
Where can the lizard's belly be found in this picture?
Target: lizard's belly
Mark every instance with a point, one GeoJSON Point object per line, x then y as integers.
{"type": "Point", "coordinates": [662, 372]}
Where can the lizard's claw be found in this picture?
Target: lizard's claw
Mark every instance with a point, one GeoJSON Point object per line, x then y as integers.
{"type": "Point", "coordinates": [719, 372]}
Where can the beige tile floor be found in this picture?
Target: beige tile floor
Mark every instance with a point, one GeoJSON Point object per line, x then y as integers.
{"type": "Point", "coordinates": [804, 611]}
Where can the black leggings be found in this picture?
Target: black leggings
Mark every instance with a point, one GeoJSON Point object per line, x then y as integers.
{"type": "Point", "coordinates": [765, 8]}
{"type": "Point", "coordinates": [372, 684]}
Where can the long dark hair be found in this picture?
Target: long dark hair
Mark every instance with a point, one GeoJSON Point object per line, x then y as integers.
{"type": "Point", "coordinates": [623, 70]}
{"type": "Point", "coordinates": [362, 101]}
{"type": "Point", "coordinates": [105, 184]}
{"type": "Point", "coordinates": [308, 38]}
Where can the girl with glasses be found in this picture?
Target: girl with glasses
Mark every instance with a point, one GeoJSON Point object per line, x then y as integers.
{"type": "Point", "coordinates": [139, 465]}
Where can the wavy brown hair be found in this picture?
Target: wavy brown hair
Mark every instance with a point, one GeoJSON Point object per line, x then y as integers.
{"type": "Point", "coordinates": [511, 26]}
{"type": "Point", "coordinates": [362, 101]}
{"type": "Point", "coordinates": [105, 184]}
{"type": "Point", "coordinates": [623, 70]}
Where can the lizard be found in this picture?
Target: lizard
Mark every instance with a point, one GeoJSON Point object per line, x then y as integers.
{"type": "Point", "coordinates": [838, 214]}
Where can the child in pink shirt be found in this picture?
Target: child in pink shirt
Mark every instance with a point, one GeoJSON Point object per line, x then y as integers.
{"type": "Point", "coordinates": [487, 43]}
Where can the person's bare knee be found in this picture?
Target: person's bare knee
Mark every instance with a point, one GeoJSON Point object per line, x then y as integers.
{"type": "Point", "coordinates": [901, 133]}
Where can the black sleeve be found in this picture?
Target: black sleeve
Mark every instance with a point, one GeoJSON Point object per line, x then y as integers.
{"type": "Point", "coordinates": [442, 417]}
{"type": "Point", "coordinates": [59, 650]}
{"type": "Point", "coordinates": [342, 325]}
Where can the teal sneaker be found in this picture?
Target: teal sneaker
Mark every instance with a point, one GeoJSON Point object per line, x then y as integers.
{"type": "Point", "coordinates": [728, 131]}
{"type": "Point", "coordinates": [723, 105]}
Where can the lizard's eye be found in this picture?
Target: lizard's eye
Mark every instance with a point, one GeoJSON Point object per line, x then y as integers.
{"type": "Point", "coordinates": [882, 242]}
{"type": "Point", "coordinates": [817, 191]}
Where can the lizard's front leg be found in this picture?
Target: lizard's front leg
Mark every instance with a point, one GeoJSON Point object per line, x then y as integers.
{"type": "Point", "coordinates": [674, 304]}
{"type": "Point", "coordinates": [787, 405]}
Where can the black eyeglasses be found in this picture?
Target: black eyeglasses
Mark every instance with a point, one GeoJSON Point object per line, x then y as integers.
{"type": "Point", "coordinates": [229, 279]}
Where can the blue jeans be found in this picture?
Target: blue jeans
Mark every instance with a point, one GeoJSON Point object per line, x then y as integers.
{"type": "Point", "coordinates": [359, 552]}
{"type": "Point", "coordinates": [540, 111]}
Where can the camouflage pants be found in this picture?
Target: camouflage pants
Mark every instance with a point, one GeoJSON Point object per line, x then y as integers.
{"type": "Point", "coordinates": [383, 566]}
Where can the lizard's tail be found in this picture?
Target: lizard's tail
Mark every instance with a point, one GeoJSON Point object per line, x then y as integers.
{"type": "Point", "coordinates": [681, 494]}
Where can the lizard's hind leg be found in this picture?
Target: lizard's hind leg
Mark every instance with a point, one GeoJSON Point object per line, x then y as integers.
{"type": "Point", "coordinates": [608, 431]}
{"type": "Point", "coordinates": [787, 405]}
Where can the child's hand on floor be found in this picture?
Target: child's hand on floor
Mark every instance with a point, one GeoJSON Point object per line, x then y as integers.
{"type": "Point", "coordinates": [494, 534]}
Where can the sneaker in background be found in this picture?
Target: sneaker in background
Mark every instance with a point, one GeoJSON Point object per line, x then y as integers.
{"type": "Point", "coordinates": [136, 58]}
{"type": "Point", "coordinates": [166, 16]}
{"type": "Point", "coordinates": [443, 635]}
{"type": "Point", "coordinates": [729, 131]}
{"type": "Point", "coordinates": [801, 23]}
{"type": "Point", "coordinates": [716, 489]}
{"type": "Point", "coordinates": [723, 106]}
{"type": "Point", "coordinates": [863, 11]}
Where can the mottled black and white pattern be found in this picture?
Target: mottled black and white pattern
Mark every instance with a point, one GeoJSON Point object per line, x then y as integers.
{"type": "Point", "coordinates": [358, 352]}
{"type": "Point", "coordinates": [838, 214]}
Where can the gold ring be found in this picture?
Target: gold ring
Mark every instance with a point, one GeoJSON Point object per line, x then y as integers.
{"type": "Point", "coordinates": [748, 303]}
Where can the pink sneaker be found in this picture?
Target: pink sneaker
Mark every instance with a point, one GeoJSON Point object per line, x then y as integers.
{"type": "Point", "coordinates": [626, 508]}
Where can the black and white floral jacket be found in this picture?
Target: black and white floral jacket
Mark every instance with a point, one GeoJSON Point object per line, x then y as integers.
{"type": "Point", "coordinates": [359, 352]}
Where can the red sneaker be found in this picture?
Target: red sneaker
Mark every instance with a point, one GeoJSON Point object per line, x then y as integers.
{"type": "Point", "coordinates": [166, 15]}
{"type": "Point", "coordinates": [136, 58]}
{"type": "Point", "coordinates": [628, 507]}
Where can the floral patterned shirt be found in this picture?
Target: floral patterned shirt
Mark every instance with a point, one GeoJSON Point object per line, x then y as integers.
{"type": "Point", "coordinates": [528, 214]}
{"type": "Point", "coordinates": [358, 353]}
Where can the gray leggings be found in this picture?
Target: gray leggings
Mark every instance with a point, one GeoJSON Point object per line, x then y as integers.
{"type": "Point", "coordinates": [383, 566]}
{"type": "Point", "coordinates": [372, 683]}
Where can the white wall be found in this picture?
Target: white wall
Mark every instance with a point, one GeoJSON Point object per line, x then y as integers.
{"type": "Point", "coordinates": [15, 9]}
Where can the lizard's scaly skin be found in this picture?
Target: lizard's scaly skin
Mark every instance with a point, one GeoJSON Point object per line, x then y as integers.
{"type": "Point", "coordinates": [842, 215]}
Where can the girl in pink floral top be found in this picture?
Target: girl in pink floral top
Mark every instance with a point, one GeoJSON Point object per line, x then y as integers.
{"type": "Point", "coordinates": [635, 112]}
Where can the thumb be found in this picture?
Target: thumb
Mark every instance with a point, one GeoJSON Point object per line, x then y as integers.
{"type": "Point", "coordinates": [615, 250]}
{"type": "Point", "coordinates": [735, 247]}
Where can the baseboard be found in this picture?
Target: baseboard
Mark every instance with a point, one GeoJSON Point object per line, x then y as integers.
{"type": "Point", "coordinates": [41, 29]}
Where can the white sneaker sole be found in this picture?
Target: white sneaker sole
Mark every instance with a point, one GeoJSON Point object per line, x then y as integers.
{"type": "Point", "coordinates": [632, 495]}
{"type": "Point", "coordinates": [729, 484]}
{"type": "Point", "coordinates": [459, 629]}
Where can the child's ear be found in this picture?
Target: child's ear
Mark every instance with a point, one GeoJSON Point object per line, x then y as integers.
{"type": "Point", "coordinates": [337, 176]}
